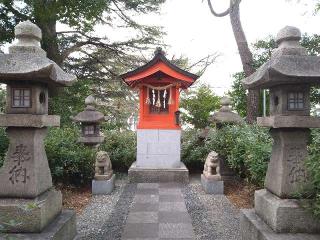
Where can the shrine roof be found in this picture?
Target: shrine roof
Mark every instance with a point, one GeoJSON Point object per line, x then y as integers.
{"type": "Point", "coordinates": [159, 64]}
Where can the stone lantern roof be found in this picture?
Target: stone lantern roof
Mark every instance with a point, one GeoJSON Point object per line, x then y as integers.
{"type": "Point", "coordinates": [225, 114]}
{"type": "Point", "coordinates": [289, 64]}
{"type": "Point", "coordinates": [28, 62]}
{"type": "Point", "coordinates": [90, 114]}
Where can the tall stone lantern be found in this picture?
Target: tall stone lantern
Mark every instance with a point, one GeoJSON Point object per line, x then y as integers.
{"type": "Point", "coordinates": [225, 116]}
{"type": "Point", "coordinates": [27, 197]}
{"type": "Point", "coordinates": [90, 120]}
{"type": "Point", "coordinates": [216, 169]}
{"type": "Point", "coordinates": [288, 75]}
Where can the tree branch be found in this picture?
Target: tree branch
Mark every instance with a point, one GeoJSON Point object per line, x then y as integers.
{"type": "Point", "coordinates": [9, 7]}
{"type": "Point", "coordinates": [225, 13]}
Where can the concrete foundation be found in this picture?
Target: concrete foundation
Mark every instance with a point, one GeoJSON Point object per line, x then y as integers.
{"type": "Point", "coordinates": [157, 148]}
{"type": "Point", "coordinates": [103, 186]}
{"type": "Point", "coordinates": [254, 228]}
{"type": "Point", "coordinates": [211, 186]}
{"type": "Point", "coordinates": [284, 215]}
{"type": "Point", "coordinates": [62, 228]}
{"type": "Point", "coordinates": [30, 215]}
{"type": "Point", "coordinates": [140, 175]}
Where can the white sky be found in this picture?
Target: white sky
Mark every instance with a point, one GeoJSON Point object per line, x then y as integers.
{"type": "Point", "coordinates": [192, 30]}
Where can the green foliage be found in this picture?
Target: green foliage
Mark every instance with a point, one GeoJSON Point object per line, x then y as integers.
{"type": "Point", "coordinates": [193, 150]}
{"type": "Point", "coordinates": [2, 99]}
{"type": "Point", "coordinates": [313, 166]}
{"type": "Point", "coordinates": [121, 146]}
{"type": "Point", "coordinates": [238, 95]}
{"type": "Point", "coordinates": [69, 101]}
{"type": "Point", "coordinates": [4, 143]}
{"type": "Point", "coordinates": [246, 148]}
{"type": "Point", "coordinates": [70, 162]}
{"type": "Point", "coordinates": [198, 104]}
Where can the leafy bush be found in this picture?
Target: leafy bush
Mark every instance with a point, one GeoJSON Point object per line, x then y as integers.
{"type": "Point", "coordinates": [193, 150]}
{"type": "Point", "coordinates": [121, 146]}
{"type": "Point", "coordinates": [70, 162]}
{"type": "Point", "coordinates": [246, 148]}
{"type": "Point", "coordinates": [4, 142]}
{"type": "Point", "coordinates": [313, 165]}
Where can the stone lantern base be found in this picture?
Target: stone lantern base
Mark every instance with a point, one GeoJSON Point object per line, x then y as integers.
{"type": "Point", "coordinates": [63, 227]}
{"type": "Point", "coordinates": [274, 218]}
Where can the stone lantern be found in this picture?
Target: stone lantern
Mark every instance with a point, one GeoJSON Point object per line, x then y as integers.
{"type": "Point", "coordinates": [225, 116]}
{"type": "Point", "coordinates": [27, 197]}
{"type": "Point", "coordinates": [90, 120]}
{"type": "Point", "coordinates": [288, 75]}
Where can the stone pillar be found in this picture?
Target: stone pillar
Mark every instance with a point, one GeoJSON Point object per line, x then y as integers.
{"type": "Point", "coordinates": [30, 207]}
{"type": "Point", "coordinates": [289, 74]}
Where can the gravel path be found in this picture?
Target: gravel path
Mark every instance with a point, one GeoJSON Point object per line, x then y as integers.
{"type": "Point", "coordinates": [213, 216]}
{"type": "Point", "coordinates": [105, 216]}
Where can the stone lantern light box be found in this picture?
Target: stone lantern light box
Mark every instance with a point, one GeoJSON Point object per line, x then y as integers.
{"type": "Point", "coordinates": [90, 120]}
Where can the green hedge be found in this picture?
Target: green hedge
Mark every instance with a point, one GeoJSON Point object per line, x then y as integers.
{"type": "Point", "coordinates": [246, 148]}
{"type": "Point", "coordinates": [4, 142]}
{"type": "Point", "coordinates": [313, 165]}
{"type": "Point", "coordinates": [121, 146]}
{"type": "Point", "coordinates": [70, 162]}
{"type": "Point", "coordinates": [193, 150]}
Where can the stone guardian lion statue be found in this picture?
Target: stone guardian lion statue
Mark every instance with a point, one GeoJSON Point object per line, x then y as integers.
{"type": "Point", "coordinates": [211, 166]}
{"type": "Point", "coordinates": [103, 166]}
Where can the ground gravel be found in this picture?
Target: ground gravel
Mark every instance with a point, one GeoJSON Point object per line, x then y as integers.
{"type": "Point", "coordinates": [213, 216]}
{"type": "Point", "coordinates": [105, 216]}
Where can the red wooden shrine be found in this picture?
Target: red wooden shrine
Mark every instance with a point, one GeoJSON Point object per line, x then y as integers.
{"type": "Point", "coordinates": [159, 83]}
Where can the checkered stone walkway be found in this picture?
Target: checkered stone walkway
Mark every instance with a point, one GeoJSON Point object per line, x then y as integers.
{"type": "Point", "coordinates": [158, 211]}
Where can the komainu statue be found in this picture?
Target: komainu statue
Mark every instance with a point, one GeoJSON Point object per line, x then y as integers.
{"type": "Point", "coordinates": [103, 166]}
{"type": "Point", "coordinates": [211, 167]}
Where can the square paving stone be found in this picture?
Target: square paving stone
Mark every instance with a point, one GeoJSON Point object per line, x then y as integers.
{"type": "Point", "coordinates": [174, 217]}
{"type": "Point", "coordinates": [142, 198]}
{"type": "Point", "coordinates": [172, 207]}
{"type": "Point", "coordinates": [142, 217]}
{"type": "Point", "coordinates": [141, 230]}
{"type": "Point", "coordinates": [145, 207]}
{"type": "Point", "coordinates": [170, 185]}
{"type": "Point", "coordinates": [147, 185]}
{"type": "Point", "coordinates": [170, 191]}
{"type": "Point", "coordinates": [171, 198]}
{"type": "Point", "coordinates": [147, 191]}
{"type": "Point", "coordinates": [175, 230]}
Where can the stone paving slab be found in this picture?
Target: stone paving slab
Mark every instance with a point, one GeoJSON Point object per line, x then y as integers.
{"type": "Point", "coordinates": [158, 211]}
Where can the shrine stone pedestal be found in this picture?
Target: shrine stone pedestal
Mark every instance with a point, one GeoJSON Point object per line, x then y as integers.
{"type": "Point", "coordinates": [158, 157]}
{"type": "Point", "coordinates": [103, 186]}
{"type": "Point", "coordinates": [212, 185]}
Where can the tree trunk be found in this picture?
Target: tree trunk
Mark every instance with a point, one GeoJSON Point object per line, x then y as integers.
{"type": "Point", "coordinates": [46, 18]}
{"type": "Point", "coordinates": [247, 61]}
